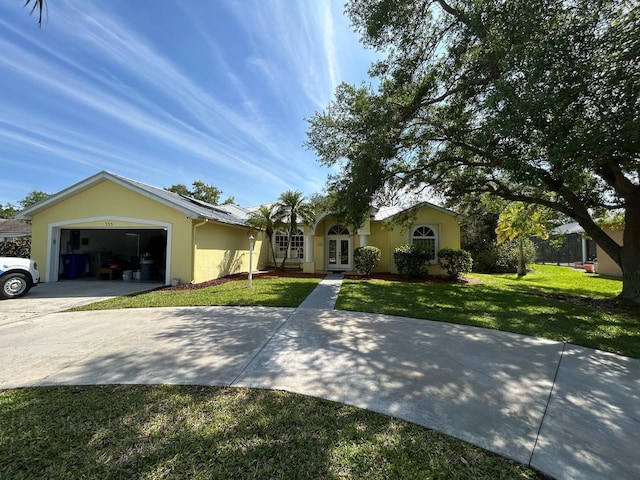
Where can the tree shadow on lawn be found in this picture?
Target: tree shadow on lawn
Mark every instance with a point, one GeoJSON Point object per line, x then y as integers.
{"type": "Point", "coordinates": [533, 285]}
{"type": "Point", "coordinates": [484, 306]}
{"type": "Point", "coordinates": [149, 431]}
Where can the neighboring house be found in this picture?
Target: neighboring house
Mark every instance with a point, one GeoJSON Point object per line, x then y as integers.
{"type": "Point", "coordinates": [107, 225]}
{"type": "Point", "coordinates": [583, 249]}
{"type": "Point", "coordinates": [576, 247]}
{"type": "Point", "coordinates": [11, 228]}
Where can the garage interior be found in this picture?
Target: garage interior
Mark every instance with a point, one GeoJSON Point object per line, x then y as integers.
{"type": "Point", "coordinates": [113, 254]}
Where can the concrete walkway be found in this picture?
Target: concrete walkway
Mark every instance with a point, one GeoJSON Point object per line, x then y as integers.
{"type": "Point", "coordinates": [324, 296]}
{"type": "Point", "coordinates": [569, 411]}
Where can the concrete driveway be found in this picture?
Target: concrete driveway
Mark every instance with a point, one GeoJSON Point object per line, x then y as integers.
{"type": "Point", "coordinates": [571, 412]}
{"type": "Point", "coordinates": [53, 297]}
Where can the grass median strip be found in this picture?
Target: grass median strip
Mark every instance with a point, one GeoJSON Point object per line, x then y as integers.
{"type": "Point", "coordinates": [127, 431]}
{"type": "Point", "coordinates": [553, 302]}
{"type": "Point", "coordinates": [266, 292]}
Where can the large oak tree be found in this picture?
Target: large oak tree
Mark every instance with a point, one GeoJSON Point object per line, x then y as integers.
{"type": "Point", "coordinates": [534, 101]}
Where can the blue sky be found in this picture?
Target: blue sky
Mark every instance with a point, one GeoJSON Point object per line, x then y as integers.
{"type": "Point", "coordinates": [169, 92]}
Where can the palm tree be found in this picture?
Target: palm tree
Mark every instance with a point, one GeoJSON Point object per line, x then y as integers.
{"type": "Point", "coordinates": [519, 221]}
{"type": "Point", "coordinates": [293, 206]}
{"type": "Point", "coordinates": [267, 218]}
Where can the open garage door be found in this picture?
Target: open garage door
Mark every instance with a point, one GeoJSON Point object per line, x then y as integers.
{"type": "Point", "coordinates": [112, 254]}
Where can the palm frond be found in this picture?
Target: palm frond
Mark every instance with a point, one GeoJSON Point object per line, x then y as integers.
{"type": "Point", "coordinates": [39, 5]}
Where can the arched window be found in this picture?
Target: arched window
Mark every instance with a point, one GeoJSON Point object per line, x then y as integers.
{"type": "Point", "coordinates": [297, 244]}
{"type": "Point", "coordinates": [426, 238]}
{"type": "Point", "coordinates": [338, 230]}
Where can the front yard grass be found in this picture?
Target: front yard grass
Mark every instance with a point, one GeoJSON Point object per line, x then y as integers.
{"type": "Point", "coordinates": [266, 292]}
{"type": "Point", "coordinates": [159, 432]}
{"type": "Point", "coordinates": [552, 302]}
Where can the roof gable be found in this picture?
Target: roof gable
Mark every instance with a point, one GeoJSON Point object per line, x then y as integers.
{"type": "Point", "coordinates": [384, 213]}
{"type": "Point", "coordinates": [191, 207]}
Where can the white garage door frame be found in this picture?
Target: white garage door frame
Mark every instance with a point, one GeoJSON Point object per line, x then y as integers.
{"type": "Point", "coordinates": [53, 243]}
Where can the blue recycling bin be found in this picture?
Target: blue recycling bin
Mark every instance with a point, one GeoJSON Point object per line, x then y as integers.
{"type": "Point", "coordinates": [73, 265]}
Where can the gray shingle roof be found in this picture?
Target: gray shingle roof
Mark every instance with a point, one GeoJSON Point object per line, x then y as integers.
{"type": "Point", "coordinates": [14, 228]}
{"type": "Point", "coordinates": [232, 214]}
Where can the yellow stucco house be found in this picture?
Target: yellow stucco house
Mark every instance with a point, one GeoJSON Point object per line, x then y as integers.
{"type": "Point", "coordinates": [110, 227]}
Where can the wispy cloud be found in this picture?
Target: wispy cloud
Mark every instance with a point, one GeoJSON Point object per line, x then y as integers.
{"type": "Point", "coordinates": [101, 89]}
{"type": "Point", "coordinates": [293, 42]}
{"type": "Point", "coordinates": [203, 140]}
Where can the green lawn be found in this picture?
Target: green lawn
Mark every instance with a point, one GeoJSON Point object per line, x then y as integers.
{"type": "Point", "coordinates": [266, 292]}
{"type": "Point", "coordinates": [553, 302]}
{"type": "Point", "coordinates": [557, 280]}
{"type": "Point", "coordinates": [158, 432]}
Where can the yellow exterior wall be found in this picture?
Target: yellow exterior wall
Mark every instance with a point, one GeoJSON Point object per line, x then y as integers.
{"type": "Point", "coordinates": [222, 250]}
{"type": "Point", "coordinates": [380, 238]}
{"type": "Point", "coordinates": [606, 266]}
{"type": "Point", "coordinates": [319, 242]}
{"type": "Point", "coordinates": [387, 238]}
{"type": "Point", "coordinates": [262, 251]}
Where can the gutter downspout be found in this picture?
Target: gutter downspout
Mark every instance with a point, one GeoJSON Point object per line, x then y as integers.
{"type": "Point", "coordinates": [193, 257]}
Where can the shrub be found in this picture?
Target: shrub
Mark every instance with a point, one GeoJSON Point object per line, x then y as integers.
{"type": "Point", "coordinates": [503, 258]}
{"type": "Point", "coordinates": [485, 258]}
{"type": "Point", "coordinates": [411, 260]}
{"type": "Point", "coordinates": [16, 247]}
{"type": "Point", "coordinates": [455, 262]}
{"type": "Point", "coordinates": [509, 255]}
{"type": "Point", "coordinates": [366, 258]}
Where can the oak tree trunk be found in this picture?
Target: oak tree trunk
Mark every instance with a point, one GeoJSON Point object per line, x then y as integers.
{"type": "Point", "coordinates": [630, 254]}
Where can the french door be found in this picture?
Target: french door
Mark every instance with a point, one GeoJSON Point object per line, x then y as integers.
{"type": "Point", "coordinates": [339, 252]}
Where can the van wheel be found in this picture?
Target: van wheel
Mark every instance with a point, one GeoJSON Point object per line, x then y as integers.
{"type": "Point", "coordinates": [13, 285]}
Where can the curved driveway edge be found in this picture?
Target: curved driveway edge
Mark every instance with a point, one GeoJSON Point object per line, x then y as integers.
{"type": "Point", "coordinates": [570, 412]}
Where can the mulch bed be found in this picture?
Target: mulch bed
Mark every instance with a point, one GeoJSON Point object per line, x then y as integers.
{"type": "Point", "coordinates": [396, 277]}
{"type": "Point", "coordinates": [243, 276]}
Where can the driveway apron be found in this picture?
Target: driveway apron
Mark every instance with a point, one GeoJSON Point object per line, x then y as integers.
{"type": "Point", "coordinates": [50, 297]}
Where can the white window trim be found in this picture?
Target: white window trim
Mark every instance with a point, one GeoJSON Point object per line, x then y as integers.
{"type": "Point", "coordinates": [299, 258]}
{"type": "Point", "coordinates": [435, 228]}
